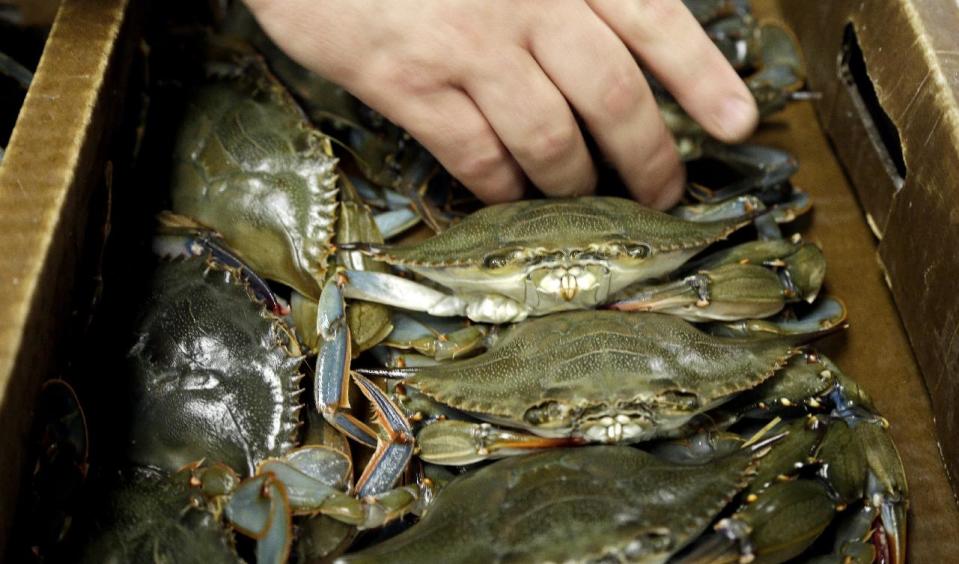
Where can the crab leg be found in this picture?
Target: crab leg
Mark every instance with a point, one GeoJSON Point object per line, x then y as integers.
{"type": "Point", "coordinates": [393, 358]}
{"type": "Point", "coordinates": [331, 395]}
{"type": "Point", "coordinates": [394, 222]}
{"type": "Point", "coordinates": [262, 507]}
{"type": "Point", "coordinates": [311, 490]}
{"type": "Point", "coordinates": [452, 442]}
{"type": "Point", "coordinates": [332, 367]}
{"type": "Point", "coordinates": [19, 73]}
{"type": "Point", "coordinates": [441, 341]}
{"type": "Point", "coordinates": [761, 169]}
{"type": "Point", "coordinates": [391, 455]}
{"type": "Point", "coordinates": [828, 316]}
{"type": "Point", "coordinates": [854, 543]}
{"type": "Point", "coordinates": [781, 74]}
{"type": "Point", "coordinates": [395, 291]}
{"type": "Point", "coordinates": [740, 206]}
{"type": "Point", "coordinates": [378, 196]}
{"type": "Point", "coordinates": [731, 292]}
{"type": "Point", "coordinates": [778, 525]}
{"type": "Point", "coordinates": [199, 243]}
{"type": "Point", "coordinates": [737, 37]}
{"type": "Point", "coordinates": [862, 464]}
{"type": "Point", "coordinates": [753, 280]}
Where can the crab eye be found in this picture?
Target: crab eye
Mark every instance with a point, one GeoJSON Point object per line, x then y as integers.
{"type": "Point", "coordinates": [547, 414]}
{"type": "Point", "coordinates": [498, 261]}
{"type": "Point", "coordinates": [638, 251]}
{"type": "Point", "coordinates": [590, 255]}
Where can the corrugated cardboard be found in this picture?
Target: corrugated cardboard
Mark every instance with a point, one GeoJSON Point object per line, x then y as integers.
{"type": "Point", "coordinates": [55, 161]}
{"type": "Point", "coordinates": [35, 12]}
{"type": "Point", "coordinates": [51, 165]}
{"type": "Point", "coordinates": [910, 50]}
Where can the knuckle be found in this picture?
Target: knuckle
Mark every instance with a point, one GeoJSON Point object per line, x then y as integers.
{"type": "Point", "coordinates": [411, 74]}
{"type": "Point", "coordinates": [478, 161]}
{"type": "Point", "coordinates": [622, 92]}
{"type": "Point", "coordinates": [553, 142]}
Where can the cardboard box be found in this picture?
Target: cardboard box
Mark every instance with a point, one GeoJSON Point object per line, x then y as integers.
{"type": "Point", "coordinates": [889, 77]}
{"type": "Point", "coordinates": [53, 166]}
{"type": "Point", "coordinates": [56, 178]}
{"type": "Point", "coordinates": [889, 74]}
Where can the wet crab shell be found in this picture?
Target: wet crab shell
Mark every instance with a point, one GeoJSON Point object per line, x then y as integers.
{"type": "Point", "coordinates": [149, 517]}
{"type": "Point", "coordinates": [497, 248]}
{"type": "Point", "coordinates": [602, 376]}
{"type": "Point", "coordinates": [213, 374]}
{"type": "Point", "coordinates": [597, 504]}
{"type": "Point", "coordinates": [248, 165]}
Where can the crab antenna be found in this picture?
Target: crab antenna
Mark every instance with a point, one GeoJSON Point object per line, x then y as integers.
{"type": "Point", "coordinates": [387, 372]}
{"type": "Point", "coordinates": [369, 248]}
{"type": "Point", "coordinates": [760, 440]}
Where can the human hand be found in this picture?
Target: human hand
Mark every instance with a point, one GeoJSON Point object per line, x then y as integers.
{"type": "Point", "coordinates": [493, 87]}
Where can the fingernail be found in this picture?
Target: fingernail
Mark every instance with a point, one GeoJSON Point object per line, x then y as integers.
{"type": "Point", "coordinates": [737, 118]}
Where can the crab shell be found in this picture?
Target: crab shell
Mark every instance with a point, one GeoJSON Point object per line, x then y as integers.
{"type": "Point", "coordinates": [555, 255]}
{"type": "Point", "coordinates": [602, 376]}
{"type": "Point", "coordinates": [249, 165]}
{"type": "Point", "coordinates": [597, 504]}
{"type": "Point", "coordinates": [150, 517]}
{"type": "Point", "coordinates": [213, 374]}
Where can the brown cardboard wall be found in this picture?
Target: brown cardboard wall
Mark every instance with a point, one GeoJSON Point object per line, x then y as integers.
{"type": "Point", "coordinates": [910, 49]}
{"type": "Point", "coordinates": [49, 170]}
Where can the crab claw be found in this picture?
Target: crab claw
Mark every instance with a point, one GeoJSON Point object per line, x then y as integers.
{"type": "Point", "coordinates": [861, 463]}
{"type": "Point", "coordinates": [260, 509]}
{"type": "Point", "coordinates": [828, 316]}
{"type": "Point", "coordinates": [776, 526]}
{"type": "Point", "coordinates": [452, 442]}
{"type": "Point", "coordinates": [317, 478]}
{"type": "Point", "coordinates": [730, 292]}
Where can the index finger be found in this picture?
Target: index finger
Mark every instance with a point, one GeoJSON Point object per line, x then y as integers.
{"type": "Point", "coordinates": [669, 42]}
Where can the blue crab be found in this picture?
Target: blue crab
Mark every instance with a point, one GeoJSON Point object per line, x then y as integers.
{"type": "Point", "coordinates": [593, 504]}
{"type": "Point", "coordinates": [250, 167]}
{"type": "Point", "coordinates": [509, 261]}
{"type": "Point", "coordinates": [216, 377]}
{"type": "Point", "coordinates": [752, 487]}
{"type": "Point", "coordinates": [764, 498]}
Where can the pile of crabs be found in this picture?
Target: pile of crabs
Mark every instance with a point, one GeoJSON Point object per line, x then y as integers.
{"type": "Point", "coordinates": [577, 380]}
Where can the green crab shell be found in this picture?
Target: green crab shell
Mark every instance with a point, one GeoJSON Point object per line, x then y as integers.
{"type": "Point", "coordinates": [596, 504]}
{"type": "Point", "coordinates": [603, 376]}
{"type": "Point", "coordinates": [248, 165]}
{"type": "Point", "coordinates": [497, 247]}
{"type": "Point", "coordinates": [213, 375]}
{"type": "Point", "coordinates": [150, 517]}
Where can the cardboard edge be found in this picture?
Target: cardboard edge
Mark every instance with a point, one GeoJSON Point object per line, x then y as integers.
{"type": "Point", "coordinates": [48, 173]}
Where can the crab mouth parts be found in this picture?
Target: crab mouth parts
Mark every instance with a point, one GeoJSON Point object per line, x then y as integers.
{"type": "Point", "coordinates": [570, 283]}
{"type": "Point", "coordinates": [615, 429]}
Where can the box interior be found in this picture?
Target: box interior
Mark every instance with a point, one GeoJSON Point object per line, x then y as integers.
{"type": "Point", "coordinates": [48, 258]}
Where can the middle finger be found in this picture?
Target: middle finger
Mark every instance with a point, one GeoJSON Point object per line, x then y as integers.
{"type": "Point", "coordinates": [601, 79]}
{"type": "Point", "coordinates": [534, 122]}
